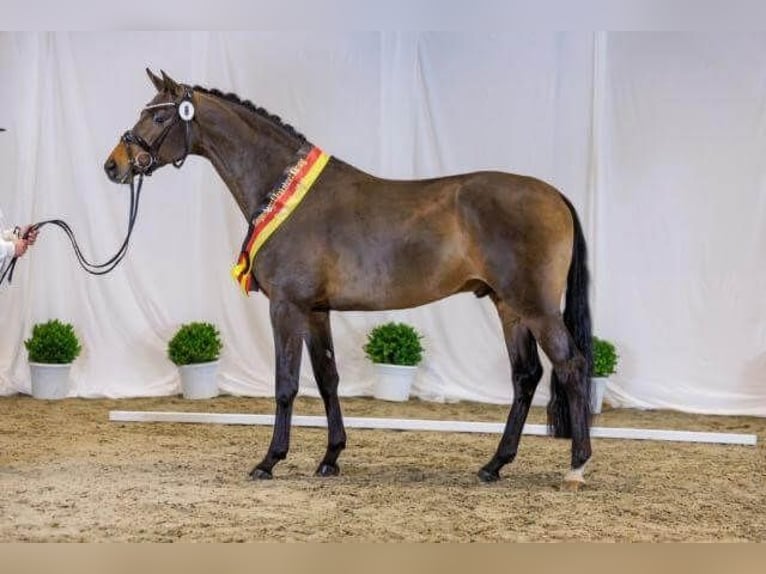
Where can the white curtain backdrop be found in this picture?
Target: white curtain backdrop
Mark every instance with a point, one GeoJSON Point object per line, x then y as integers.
{"type": "Point", "coordinates": [658, 139]}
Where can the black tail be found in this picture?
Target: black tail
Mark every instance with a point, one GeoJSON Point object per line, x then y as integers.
{"type": "Point", "coordinates": [577, 320]}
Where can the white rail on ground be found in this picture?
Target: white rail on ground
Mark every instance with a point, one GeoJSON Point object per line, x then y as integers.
{"type": "Point", "coordinates": [428, 425]}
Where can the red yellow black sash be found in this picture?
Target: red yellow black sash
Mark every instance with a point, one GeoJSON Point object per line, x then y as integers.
{"type": "Point", "coordinates": [295, 183]}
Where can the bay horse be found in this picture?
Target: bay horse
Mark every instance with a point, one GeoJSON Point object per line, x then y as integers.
{"type": "Point", "coordinates": [360, 242]}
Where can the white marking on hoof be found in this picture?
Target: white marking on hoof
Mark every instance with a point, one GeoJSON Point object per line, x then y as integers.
{"type": "Point", "coordinates": [574, 478]}
{"type": "Point", "coordinates": [575, 475]}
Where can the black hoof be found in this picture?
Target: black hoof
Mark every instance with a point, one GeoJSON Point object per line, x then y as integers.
{"type": "Point", "coordinates": [260, 474]}
{"type": "Point", "coordinates": [328, 470]}
{"type": "Point", "coordinates": [488, 476]}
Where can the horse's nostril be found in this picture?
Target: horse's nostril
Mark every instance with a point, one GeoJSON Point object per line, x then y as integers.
{"type": "Point", "coordinates": [110, 167]}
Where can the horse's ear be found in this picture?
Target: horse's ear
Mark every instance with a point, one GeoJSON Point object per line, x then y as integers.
{"type": "Point", "coordinates": [169, 83]}
{"type": "Point", "coordinates": [156, 80]}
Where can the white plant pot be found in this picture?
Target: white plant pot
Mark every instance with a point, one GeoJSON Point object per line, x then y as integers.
{"type": "Point", "coordinates": [49, 381]}
{"type": "Point", "coordinates": [393, 382]}
{"type": "Point", "coordinates": [198, 381]}
{"type": "Point", "coordinates": [597, 388]}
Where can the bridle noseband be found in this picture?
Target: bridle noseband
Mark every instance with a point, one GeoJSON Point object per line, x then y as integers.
{"type": "Point", "coordinates": [146, 162]}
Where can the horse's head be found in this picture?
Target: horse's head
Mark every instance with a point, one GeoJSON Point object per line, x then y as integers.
{"type": "Point", "coordinates": [162, 134]}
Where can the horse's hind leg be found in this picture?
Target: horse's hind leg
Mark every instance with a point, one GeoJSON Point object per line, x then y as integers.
{"type": "Point", "coordinates": [319, 343]}
{"type": "Point", "coordinates": [289, 324]}
{"type": "Point", "coordinates": [526, 374]}
{"type": "Point", "coordinates": [571, 381]}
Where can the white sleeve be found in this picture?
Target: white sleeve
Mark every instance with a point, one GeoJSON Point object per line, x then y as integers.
{"type": "Point", "coordinates": [7, 250]}
{"type": "Point", "coordinates": [6, 233]}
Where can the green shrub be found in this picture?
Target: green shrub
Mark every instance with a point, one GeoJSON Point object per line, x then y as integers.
{"type": "Point", "coordinates": [195, 343]}
{"type": "Point", "coordinates": [53, 342]}
{"type": "Point", "coordinates": [394, 344]}
{"type": "Point", "coordinates": [604, 358]}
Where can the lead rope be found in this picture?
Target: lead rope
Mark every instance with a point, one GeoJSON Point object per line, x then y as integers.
{"type": "Point", "coordinates": [92, 268]}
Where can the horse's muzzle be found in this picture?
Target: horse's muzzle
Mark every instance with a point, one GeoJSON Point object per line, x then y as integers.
{"type": "Point", "coordinates": [114, 173]}
{"type": "Point", "coordinates": [110, 167]}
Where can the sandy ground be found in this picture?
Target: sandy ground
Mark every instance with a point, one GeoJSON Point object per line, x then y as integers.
{"type": "Point", "coordinates": [68, 474]}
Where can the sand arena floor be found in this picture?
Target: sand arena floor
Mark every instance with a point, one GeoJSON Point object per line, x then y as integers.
{"type": "Point", "coordinates": [68, 474]}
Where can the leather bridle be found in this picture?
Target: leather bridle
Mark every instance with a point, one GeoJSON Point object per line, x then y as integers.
{"type": "Point", "coordinates": [147, 161]}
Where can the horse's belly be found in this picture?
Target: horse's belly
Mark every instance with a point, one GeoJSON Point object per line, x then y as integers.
{"type": "Point", "coordinates": [371, 292]}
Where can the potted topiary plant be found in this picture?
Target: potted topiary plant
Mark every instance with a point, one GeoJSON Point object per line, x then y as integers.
{"type": "Point", "coordinates": [52, 348]}
{"type": "Point", "coordinates": [195, 349]}
{"type": "Point", "coordinates": [604, 364]}
{"type": "Point", "coordinates": [395, 350]}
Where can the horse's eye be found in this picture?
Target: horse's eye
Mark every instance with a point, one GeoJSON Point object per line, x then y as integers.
{"type": "Point", "coordinates": [160, 118]}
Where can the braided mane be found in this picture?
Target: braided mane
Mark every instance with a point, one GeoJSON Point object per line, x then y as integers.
{"type": "Point", "coordinates": [264, 113]}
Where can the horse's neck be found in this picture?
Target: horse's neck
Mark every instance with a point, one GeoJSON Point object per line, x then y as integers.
{"type": "Point", "coordinates": [248, 152]}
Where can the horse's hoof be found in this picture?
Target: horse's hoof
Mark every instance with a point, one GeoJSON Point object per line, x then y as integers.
{"type": "Point", "coordinates": [260, 474]}
{"type": "Point", "coordinates": [572, 485]}
{"type": "Point", "coordinates": [573, 480]}
{"type": "Point", "coordinates": [488, 476]}
{"type": "Point", "coordinates": [327, 470]}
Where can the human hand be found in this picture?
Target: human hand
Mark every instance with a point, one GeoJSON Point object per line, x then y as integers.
{"type": "Point", "coordinates": [30, 234]}
{"type": "Point", "coordinates": [20, 247]}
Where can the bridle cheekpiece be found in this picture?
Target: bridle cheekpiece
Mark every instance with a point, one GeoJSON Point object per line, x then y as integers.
{"type": "Point", "coordinates": [146, 162]}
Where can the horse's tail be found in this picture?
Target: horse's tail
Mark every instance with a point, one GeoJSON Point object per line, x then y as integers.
{"type": "Point", "coordinates": [577, 320]}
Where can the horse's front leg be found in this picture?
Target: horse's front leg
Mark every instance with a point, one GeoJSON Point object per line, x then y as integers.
{"type": "Point", "coordinates": [319, 343]}
{"type": "Point", "coordinates": [290, 325]}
